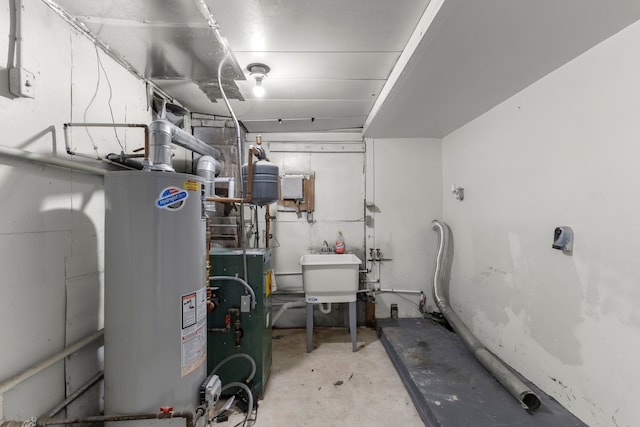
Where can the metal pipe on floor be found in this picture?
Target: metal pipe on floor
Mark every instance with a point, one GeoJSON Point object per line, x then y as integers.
{"type": "Point", "coordinates": [188, 416]}
{"type": "Point", "coordinates": [528, 399]}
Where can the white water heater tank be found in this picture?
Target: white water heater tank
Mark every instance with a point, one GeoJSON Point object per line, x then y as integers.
{"type": "Point", "coordinates": [155, 293]}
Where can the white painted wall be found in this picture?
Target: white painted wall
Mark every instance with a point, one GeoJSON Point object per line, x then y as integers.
{"type": "Point", "coordinates": [404, 194]}
{"type": "Point", "coordinates": [403, 189]}
{"type": "Point", "coordinates": [337, 160]}
{"type": "Point", "coordinates": [562, 152]}
{"type": "Point", "coordinates": [52, 227]}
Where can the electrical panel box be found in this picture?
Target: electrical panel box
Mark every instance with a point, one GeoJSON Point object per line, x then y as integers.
{"type": "Point", "coordinates": [255, 324]}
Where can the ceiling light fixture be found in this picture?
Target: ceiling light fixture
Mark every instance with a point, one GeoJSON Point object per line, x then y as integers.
{"type": "Point", "coordinates": [258, 72]}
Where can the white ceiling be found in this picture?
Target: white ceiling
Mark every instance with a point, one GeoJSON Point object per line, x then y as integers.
{"type": "Point", "coordinates": [476, 54]}
{"type": "Point", "coordinates": [409, 68]}
{"type": "Point", "coordinates": [329, 59]}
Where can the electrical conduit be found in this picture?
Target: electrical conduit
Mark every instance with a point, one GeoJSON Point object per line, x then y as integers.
{"type": "Point", "coordinates": [239, 147]}
{"type": "Point", "coordinates": [528, 399]}
{"type": "Point", "coordinates": [234, 356]}
{"type": "Point", "coordinates": [239, 280]}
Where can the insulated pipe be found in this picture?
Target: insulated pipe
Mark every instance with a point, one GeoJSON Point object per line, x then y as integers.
{"type": "Point", "coordinates": [239, 280]}
{"type": "Point", "coordinates": [127, 161]}
{"type": "Point", "coordinates": [12, 382]}
{"type": "Point", "coordinates": [49, 161]}
{"type": "Point", "coordinates": [109, 125]}
{"type": "Point", "coordinates": [528, 399]}
{"type": "Point", "coordinates": [234, 356]}
{"type": "Point", "coordinates": [285, 307]}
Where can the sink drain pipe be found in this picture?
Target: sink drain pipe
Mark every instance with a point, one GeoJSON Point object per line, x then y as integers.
{"type": "Point", "coordinates": [495, 366]}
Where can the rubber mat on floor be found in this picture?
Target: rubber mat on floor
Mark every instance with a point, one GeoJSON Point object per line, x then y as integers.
{"type": "Point", "coordinates": [450, 388]}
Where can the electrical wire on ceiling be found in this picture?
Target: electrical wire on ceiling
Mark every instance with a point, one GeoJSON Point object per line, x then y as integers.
{"type": "Point", "coordinates": [106, 76]}
{"type": "Point", "coordinates": [101, 69]}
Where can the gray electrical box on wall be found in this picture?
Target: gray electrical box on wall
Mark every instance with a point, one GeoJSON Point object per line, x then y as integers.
{"type": "Point", "coordinates": [292, 187]}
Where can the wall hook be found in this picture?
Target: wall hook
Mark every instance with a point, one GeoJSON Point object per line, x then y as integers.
{"type": "Point", "coordinates": [458, 191]}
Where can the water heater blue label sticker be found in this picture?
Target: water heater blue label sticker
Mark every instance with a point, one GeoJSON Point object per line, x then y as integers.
{"type": "Point", "coordinates": [171, 198]}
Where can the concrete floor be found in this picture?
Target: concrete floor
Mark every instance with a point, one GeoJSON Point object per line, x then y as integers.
{"type": "Point", "coordinates": [332, 386]}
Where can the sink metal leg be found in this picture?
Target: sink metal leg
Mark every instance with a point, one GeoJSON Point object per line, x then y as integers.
{"type": "Point", "coordinates": [352, 326]}
{"type": "Point", "coordinates": [309, 327]}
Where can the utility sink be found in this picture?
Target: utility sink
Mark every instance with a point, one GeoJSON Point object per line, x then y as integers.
{"type": "Point", "coordinates": [330, 277]}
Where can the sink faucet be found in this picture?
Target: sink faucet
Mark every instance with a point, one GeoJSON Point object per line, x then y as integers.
{"type": "Point", "coordinates": [325, 247]}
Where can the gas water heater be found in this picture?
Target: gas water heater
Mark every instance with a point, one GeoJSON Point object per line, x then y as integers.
{"type": "Point", "coordinates": [155, 292]}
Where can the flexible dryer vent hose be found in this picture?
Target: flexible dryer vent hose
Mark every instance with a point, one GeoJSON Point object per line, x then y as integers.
{"type": "Point", "coordinates": [528, 399]}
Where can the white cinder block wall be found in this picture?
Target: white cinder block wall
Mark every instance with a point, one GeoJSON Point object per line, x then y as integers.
{"type": "Point", "coordinates": [52, 220]}
{"type": "Point", "coordinates": [564, 151]}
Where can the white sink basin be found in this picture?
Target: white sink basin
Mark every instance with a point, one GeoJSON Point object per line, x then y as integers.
{"type": "Point", "coordinates": [330, 277]}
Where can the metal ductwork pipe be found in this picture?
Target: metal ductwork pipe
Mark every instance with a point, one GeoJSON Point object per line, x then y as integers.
{"type": "Point", "coordinates": [528, 399]}
{"type": "Point", "coordinates": [163, 133]}
{"type": "Point", "coordinates": [208, 168]}
{"type": "Point", "coordinates": [160, 133]}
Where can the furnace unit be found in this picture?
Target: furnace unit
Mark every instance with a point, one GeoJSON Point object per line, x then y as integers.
{"type": "Point", "coordinates": [253, 337]}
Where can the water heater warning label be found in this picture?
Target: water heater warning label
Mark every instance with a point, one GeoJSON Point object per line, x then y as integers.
{"type": "Point", "coordinates": [194, 330]}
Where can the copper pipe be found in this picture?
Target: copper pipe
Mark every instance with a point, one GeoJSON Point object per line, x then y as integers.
{"type": "Point", "coordinates": [267, 227]}
{"type": "Point", "coordinates": [146, 140]}
{"type": "Point", "coordinates": [247, 196]}
{"type": "Point", "coordinates": [118, 125]}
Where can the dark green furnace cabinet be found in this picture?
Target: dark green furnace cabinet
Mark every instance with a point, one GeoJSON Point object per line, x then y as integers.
{"type": "Point", "coordinates": [255, 325]}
